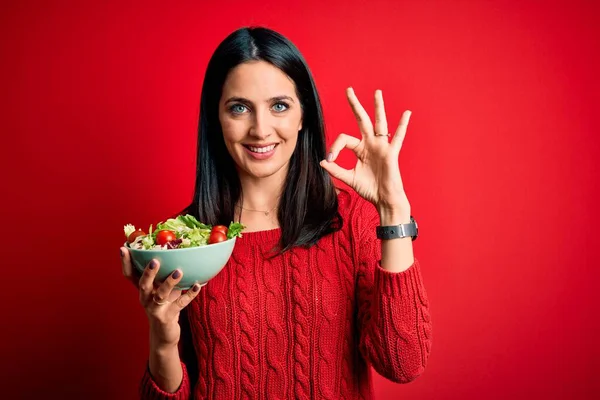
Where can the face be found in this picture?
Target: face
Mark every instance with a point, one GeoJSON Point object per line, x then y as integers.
{"type": "Point", "coordinates": [260, 116]}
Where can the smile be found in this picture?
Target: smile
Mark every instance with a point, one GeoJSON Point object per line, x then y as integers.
{"type": "Point", "coordinates": [261, 152]}
{"type": "Point", "coordinates": [264, 149]}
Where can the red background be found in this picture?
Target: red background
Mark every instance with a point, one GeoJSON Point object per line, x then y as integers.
{"type": "Point", "coordinates": [99, 112]}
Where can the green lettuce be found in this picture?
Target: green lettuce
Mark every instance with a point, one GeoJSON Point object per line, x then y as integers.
{"type": "Point", "coordinates": [183, 223]}
{"type": "Point", "coordinates": [197, 237]}
{"type": "Point", "coordinates": [191, 222]}
{"type": "Point", "coordinates": [235, 229]}
{"type": "Point", "coordinates": [148, 242]}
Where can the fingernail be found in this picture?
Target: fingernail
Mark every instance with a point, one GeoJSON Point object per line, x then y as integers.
{"type": "Point", "coordinates": [195, 288]}
{"type": "Point", "coordinates": [329, 157]}
{"type": "Point", "coordinates": [176, 274]}
{"type": "Point", "coordinates": [122, 253]}
{"type": "Point", "coordinates": [152, 264]}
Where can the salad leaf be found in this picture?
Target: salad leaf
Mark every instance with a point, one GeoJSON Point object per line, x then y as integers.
{"type": "Point", "coordinates": [171, 224]}
{"type": "Point", "coordinates": [192, 222]}
{"type": "Point", "coordinates": [197, 237]}
{"type": "Point", "coordinates": [148, 242]}
{"type": "Point", "coordinates": [179, 224]}
{"type": "Point", "coordinates": [188, 220]}
{"type": "Point", "coordinates": [129, 229]}
{"type": "Point", "coordinates": [235, 229]}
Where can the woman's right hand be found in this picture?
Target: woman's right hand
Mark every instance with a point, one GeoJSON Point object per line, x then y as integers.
{"type": "Point", "coordinates": [161, 301]}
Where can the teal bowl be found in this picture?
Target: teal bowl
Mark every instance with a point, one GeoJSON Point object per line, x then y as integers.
{"type": "Point", "coordinates": [198, 264]}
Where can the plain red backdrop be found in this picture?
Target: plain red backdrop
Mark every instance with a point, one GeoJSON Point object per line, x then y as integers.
{"type": "Point", "coordinates": [99, 112]}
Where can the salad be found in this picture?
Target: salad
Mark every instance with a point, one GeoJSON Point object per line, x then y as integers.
{"type": "Point", "coordinates": [180, 233]}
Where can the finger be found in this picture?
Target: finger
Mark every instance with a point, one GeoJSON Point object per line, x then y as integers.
{"type": "Point", "coordinates": [146, 282]}
{"type": "Point", "coordinates": [398, 138]}
{"type": "Point", "coordinates": [344, 175]}
{"type": "Point", "coordinates": [343, 141]}
{"type": "Point", "coordinates": [185, 299]}
{"type": "Point", "coordinates": [380, 118]}
{"type": "Point", "coordinates": [364, 122]}
{"type": "Point", "coordinates": [165, 289]}
{"type": "Point", "coordinates": [131, 273]}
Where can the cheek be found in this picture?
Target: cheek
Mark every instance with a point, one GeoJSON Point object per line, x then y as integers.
{"type": "Point", "coordinates": [232, 130]}
{"type": "Point", "coordinates": [289, 126]}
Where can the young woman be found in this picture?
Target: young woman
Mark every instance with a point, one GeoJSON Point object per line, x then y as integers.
{"type": "Point", "coordinates": [323, 283]}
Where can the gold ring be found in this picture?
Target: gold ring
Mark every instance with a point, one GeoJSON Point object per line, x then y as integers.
{"type": "Point", "coordinates": [160, 303]}
{"type": "Point", "coordinates": [381, 134]}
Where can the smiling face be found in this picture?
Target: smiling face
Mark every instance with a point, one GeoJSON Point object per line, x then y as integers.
{"type": "Point", "coordinates": [260, 116]}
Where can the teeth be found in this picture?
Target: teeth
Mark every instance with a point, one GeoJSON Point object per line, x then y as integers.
{"type": "Point", "coordinates": [261, 149]}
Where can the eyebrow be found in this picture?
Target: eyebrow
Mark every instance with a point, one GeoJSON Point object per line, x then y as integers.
{"type": "Point", "coordinates": [272, 99]}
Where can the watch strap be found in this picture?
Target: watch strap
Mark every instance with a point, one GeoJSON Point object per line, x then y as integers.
{"type": "Point", "coordinates": [398, 231]}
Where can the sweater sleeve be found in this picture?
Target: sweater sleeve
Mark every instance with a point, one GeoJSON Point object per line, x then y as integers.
{"type": "Point", "coordinates": [149, 390]}
{"type": "Point", "coordinates": [393, 310]}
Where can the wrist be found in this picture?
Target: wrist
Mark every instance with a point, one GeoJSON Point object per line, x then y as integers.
{"type": "Point", "coordinates": [163, 350]}
{"type": "Point", "coordinates": [159, 344]}
{"type": "Point", "coordinates": [394, 213]}
{"type": "Point", "coordinates": [163, 342]}
{"type": "Point", "coordinates": [389, 217]}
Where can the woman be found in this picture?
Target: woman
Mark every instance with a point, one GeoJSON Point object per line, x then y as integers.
{"type": "Point", "coordinates": [312, 295]}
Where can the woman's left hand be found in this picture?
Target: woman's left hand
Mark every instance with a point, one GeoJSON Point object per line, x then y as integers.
{"type": "Point", "coordinates": [376, 175]}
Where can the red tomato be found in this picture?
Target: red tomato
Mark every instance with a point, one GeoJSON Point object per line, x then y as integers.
{"type": "Point", "coordinates": [164, 237]}
{"type": "Point", "coordinates": [216, 237]}
{"type": "Point", "coordinates": [220, 228]}
{"type": "Point", "coordinates": [134, 235]}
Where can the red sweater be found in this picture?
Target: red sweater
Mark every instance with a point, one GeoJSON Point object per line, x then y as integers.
{"type": "Point", "coordinates": [306, 324]}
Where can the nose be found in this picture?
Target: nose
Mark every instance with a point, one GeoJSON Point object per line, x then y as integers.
{"type": "Point", "coordinates": [260, 128]}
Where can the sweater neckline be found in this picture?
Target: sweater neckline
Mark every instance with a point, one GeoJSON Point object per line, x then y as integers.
{"type": "Point", "coordinates": [261, 237]}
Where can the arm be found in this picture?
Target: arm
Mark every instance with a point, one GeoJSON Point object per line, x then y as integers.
{"type": "Point", "coordinates": [393, 316]}
{"type": "Point", "coordinates": [166, 376]}
{"type": "Point", "coordinates": [165, 370]}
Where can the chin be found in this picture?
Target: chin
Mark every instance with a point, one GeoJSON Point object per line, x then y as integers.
{"type": "Point", "coordinates": [263, 172]}
{"type": "Point", "coordinates": [262, 169]}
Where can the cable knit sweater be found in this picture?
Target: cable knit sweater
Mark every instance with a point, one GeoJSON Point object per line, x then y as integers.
{"type": "Point", "coordinates": [306, 324]}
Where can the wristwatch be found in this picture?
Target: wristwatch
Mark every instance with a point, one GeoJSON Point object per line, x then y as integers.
{"type": "Point", "coordinates": [399, 231]}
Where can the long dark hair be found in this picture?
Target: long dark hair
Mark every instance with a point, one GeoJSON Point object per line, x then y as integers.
{"type": "Point", "coordinates": [308, 207]}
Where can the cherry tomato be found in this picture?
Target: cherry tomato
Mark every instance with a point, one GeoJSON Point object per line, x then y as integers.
{"type": "Point", "coordinates": [216, 237]}
{"type": "Point", "coordinates": [220, 228]}
{"type": "Point", "coordinates": [164, 237]}
{"type": "Point", "coordinates": [133, 235]}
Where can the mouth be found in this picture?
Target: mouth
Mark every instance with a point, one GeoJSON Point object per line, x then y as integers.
{"type": "Point", "coordinates": [261, 149]}
{"type": "Point", "coordinates": [261, 153]}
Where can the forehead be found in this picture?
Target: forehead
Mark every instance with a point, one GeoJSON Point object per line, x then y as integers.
{"type": "Point", "coordinates": [259, 80]}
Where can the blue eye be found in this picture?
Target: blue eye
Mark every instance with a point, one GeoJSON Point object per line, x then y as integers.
{"type": "Point", "coordinates": [237, 108]}
{"type": "Point", "coordinates": [280, 107]}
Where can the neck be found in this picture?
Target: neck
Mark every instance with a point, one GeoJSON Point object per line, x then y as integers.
{"type": "Point", "coordinates": [261, 196]}
{"type": "Point", "coordinates": [262, 193]}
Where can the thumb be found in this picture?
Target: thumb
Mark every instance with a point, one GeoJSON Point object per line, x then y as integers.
{"type": "Point", "coordinates": [338, 172]}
